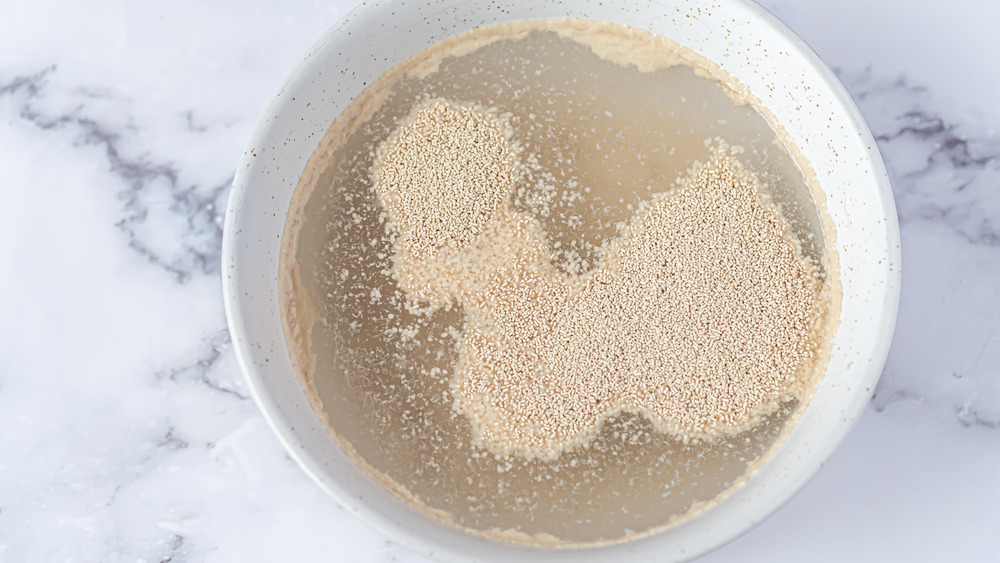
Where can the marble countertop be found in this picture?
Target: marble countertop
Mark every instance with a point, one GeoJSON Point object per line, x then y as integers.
{"type": "Point", "coordinates": [126, 433]}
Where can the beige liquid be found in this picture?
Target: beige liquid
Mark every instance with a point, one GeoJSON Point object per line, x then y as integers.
{"type": "Point", "coordinates": [602, 137]}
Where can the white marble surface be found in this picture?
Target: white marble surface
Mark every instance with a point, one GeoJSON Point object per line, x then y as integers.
{"type": "Point", "coordinates": [125, 430]}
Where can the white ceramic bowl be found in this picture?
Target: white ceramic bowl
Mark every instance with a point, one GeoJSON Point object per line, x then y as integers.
{"type": "Point", "coordinates": [745, 40]}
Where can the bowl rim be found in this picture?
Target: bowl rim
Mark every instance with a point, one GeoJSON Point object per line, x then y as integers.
{"type": "Point", "coordinates": [236, 308]}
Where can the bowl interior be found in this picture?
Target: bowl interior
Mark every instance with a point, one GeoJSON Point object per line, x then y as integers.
{"type": "Point", "coordinates": [745, 41]}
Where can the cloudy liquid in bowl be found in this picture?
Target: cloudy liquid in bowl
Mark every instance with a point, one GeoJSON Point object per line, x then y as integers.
{"type": "Point", "coordinates": [599, 138]}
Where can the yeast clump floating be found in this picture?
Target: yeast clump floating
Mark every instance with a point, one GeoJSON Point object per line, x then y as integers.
{"type": "Point", "coordinates": [701, 316]}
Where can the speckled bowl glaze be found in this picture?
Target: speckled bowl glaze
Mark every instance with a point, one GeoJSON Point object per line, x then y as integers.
{"type": "Point", "coordinates": [740, 36]}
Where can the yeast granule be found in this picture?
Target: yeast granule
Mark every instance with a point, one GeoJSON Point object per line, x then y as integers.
{"type": "Point", "coordinates": [702, 314]}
